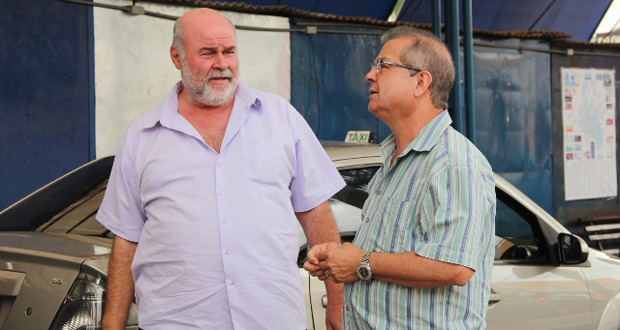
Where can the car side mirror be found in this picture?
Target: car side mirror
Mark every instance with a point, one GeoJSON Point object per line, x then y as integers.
{"type": "Point", "coordinates": [573, 250]}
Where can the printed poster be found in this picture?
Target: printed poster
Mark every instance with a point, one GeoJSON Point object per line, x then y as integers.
{"type": "Point", "coordinates": [589, 119]}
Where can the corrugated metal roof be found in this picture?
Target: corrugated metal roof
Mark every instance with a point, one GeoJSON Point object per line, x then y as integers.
{"type": "Point", "coordinates": [339, 19]}
{"type": "Point", "coordinates": [523, 34]}
{"type": "Point", "coordinates": [585, 45]}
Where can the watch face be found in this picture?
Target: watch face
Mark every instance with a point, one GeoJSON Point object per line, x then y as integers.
{"type": "Point", "coordinates": [363, 273]}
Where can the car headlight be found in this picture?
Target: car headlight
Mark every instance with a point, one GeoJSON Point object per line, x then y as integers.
{"type": "Point", "coordinates": [82, 308]}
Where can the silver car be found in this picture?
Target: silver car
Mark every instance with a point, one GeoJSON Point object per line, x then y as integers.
{"type": "Point", "coordinates": [54, 256]}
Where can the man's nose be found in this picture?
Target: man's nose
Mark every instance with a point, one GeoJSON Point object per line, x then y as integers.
{"type": "Point", "coordinates": [219, 61]}
{"type": "Point", "coordinates": [371, 75]}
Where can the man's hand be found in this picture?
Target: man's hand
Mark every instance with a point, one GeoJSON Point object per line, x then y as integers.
{"type": "Point", "coordinates": [340, 264]}
{"type": "Point", "coordinates": [312, 264]}
{"type": "Point", "coordinates": [333, 313]}
{"type": "Point", "coordinates": [322, 235]}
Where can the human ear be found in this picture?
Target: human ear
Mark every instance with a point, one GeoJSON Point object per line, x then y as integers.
{"type": "Point", "coordinates": [423, 82]}
{"type": "Point", "coordinates": [176, 59]}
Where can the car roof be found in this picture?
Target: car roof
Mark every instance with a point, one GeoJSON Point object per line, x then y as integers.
{"type": "Point", "coordinates": [347, 154]}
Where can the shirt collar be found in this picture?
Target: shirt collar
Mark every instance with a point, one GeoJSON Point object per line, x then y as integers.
{"type": "Point", "coordinates": [245, 98]}
{"type": "Point", "coordinates": [426, 139]}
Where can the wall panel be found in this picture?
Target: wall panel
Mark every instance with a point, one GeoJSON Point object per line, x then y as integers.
{"type": "Point", "coordinates": [44, 93]}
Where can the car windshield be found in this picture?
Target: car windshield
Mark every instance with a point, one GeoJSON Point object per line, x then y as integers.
{"type": "Point", "coordinates": [79, 217]}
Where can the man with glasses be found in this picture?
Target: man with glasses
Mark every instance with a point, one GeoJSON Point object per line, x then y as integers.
{"type": "Point", "coordinates": [423, 255]}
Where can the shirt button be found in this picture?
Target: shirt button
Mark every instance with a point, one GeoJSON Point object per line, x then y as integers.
{"type": "Point", "coordinates": [227, 252]}
{"type": "Point", "coordinates": [219, 164]}
{"type": "Point", "coordinates": [222, 193]}
{"type": "Point", "coordinates": [347, 308]}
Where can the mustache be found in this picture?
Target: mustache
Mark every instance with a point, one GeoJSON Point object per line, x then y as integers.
{"type": "Point", "coordinates": [216, 74]}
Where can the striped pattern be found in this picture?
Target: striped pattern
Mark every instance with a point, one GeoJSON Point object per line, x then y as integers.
{"type": "Point", "coordinates": [438, 200]}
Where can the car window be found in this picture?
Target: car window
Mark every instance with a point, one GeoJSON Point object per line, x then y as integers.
{"type": "Point", "coordinates": [359, 178]}
{"type": "Point", "coordinates": [347, 203]}
{"type": "Point", "coordinates": [517, 234]}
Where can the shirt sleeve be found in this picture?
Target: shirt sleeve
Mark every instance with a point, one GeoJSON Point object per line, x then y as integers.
{"type": "Point", "coordinates": [316, 178]}
{"type": "Point", "coordinates": [456, 217]}
{"type": "Point", "coordinates": [120, 211]}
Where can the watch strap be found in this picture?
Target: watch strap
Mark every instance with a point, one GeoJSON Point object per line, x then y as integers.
{"type": "Point", "coordinates": [365, 258]}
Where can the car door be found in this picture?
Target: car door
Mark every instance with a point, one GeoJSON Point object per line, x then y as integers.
{"type": "Point", "coordinates": [528, 290]}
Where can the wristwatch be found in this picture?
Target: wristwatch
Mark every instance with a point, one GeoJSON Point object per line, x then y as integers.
{"type": "Point", "coordinates": [363, 270]}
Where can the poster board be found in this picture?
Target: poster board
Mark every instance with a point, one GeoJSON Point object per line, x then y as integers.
{"type": "Point", "coordinates": [589, 124]}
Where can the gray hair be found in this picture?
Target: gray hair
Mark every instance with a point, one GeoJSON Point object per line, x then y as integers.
{"type": "Point", "coordinates": [429, 53]}
{"type": "Point", "coordinates": [178, 32]}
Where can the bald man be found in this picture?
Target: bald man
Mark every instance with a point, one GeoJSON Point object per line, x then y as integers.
{"type": "Point", "coordinates": [423, 256]}
{"type": "Point", "coordinates": [205, 195]}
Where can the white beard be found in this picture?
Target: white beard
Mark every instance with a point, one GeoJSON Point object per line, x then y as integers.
{"type": "Point", "coordinates": [200, 90]}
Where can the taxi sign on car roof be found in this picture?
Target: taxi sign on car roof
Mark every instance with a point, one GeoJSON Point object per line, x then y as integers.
{"type": "Point", "coordinates": [359, 137]}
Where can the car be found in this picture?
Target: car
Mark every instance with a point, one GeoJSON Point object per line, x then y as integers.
{"type": "Point", "coordinates": [54, 256]}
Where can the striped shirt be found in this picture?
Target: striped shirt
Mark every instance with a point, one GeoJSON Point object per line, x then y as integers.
{"type": "Point", "coordinates": [438, 199]}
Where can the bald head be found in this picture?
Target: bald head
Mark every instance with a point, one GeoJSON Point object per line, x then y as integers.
{"type": "Point", "coordinates": [198, 19]}
{"type": "Point", "coordinates": [204, 49]}
{"type": "Point", "coordinates": [428, 53]}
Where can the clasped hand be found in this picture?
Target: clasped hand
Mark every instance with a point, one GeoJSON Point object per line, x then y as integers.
{"type": "Point", "coordinates": [337, 262]}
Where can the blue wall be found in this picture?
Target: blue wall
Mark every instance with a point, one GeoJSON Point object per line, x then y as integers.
{"type": "Point", "coordinates": [513, 115]}
{"type": "Point", "coordinates": [513, 100]}
{"type": "Point", "coordinates": [44, 93]}
{"type": "Point", "coordinates": [328, 85]}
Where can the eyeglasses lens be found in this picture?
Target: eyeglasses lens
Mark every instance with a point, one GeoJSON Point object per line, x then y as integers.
{"type": "Point", "coordinates": [377, 65]}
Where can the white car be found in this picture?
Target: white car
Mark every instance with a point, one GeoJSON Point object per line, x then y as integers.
{"type": "Point", "coordinates": [54, 256]}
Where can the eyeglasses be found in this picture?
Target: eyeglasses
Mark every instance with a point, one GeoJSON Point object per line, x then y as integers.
{"type": "Point", "coordinates": [379, 63]}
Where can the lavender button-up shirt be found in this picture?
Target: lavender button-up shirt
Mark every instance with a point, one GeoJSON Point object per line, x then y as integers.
{"type": "Point", "coordinates": [218, 237]}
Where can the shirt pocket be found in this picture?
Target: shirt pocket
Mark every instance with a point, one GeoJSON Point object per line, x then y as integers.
{"type": "Point", "coordinates": [265, 161]}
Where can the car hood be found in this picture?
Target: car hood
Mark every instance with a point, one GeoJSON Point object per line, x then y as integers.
{"type": "Point", "coordinates": [597, 256]}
